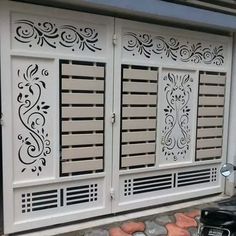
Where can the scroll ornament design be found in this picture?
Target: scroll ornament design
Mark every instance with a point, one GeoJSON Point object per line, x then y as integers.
{"type": "Point", "coordinates": [176, 133]}
{"type": "Point", "coordinates": [47, 33]}
{"type": "Point", "coordinates": [146, 44]}
{"type": "Point", "coordinates": [32, 111]}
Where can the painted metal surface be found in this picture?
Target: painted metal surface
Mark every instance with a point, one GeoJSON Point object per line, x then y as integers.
{"type": "Point", "coordinates": [90, 123]}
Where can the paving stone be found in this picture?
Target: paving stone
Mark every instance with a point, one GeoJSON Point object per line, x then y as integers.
{"type": "Point", "coordinates": [164, 219]}
{"type": "Point", "coordinates": [184, 221]}
{"type": "Point", "coordinates": [174, 230]}
{"type": "Point", "coordinates": [117, 231]}
{"type": "Point", "coordinates": [132, 227]}
{"type": "Point", "coordinates": [193, 231]}
{"type": "Point", "coordinates": [139, 234]}
{"type": "Point", "coordinates": [154, 229]}
{"type": "Point", "coordinates": [193, 213]}
{"type": "Point", "coordinates": [98, 232]}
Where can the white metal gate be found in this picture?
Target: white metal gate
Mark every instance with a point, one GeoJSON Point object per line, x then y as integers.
{"type": "Point", "coordinates": [103, 115]}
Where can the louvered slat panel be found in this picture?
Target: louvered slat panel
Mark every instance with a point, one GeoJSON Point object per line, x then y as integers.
{"type": "Point", "coordinates": [139, 99]}
{"type": "Point", "coordinates": [74, 166]}
{"type": "Point", "coordinates": [78, 84]}
{"type": "Point", "coordinates": [81, 125]}
{"type": "Point", "coordinates": [139, 74]}
{"type": "Point", "coordinates": [210, 116]}
{"type": "Point", "coordinates": [138, 160]}
{"type": "Point", "coordinates": [206, 143]}
{"type": "Point", "coordinates": [138, 112]}
{"type": "Point", "coordinates": [77, 98]}
{"type": "Point", "coordinates": [82, 113]}
{"type": "Point", "coordinates": [82, 152]}
{"type": "Point", "coordinates": [139, 87]}
{"type": "Point", "coordinates": [210, 111]}
{"type": "Point", "coordinates": [212, 79]}
{"type": "Point", "coordinates": [81, 139]}
{"type": "Point", "coordinates": [206, 122]}
{"type": "Point", "coordinates": [138, 136]}
{"type": "Point", "coordinates": [82, 70]}
{"type": "Point", "coordinates": [139, 124]}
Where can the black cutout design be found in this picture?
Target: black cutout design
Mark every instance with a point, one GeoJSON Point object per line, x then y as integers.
{"type": "Point", "coordinates": [145, 44]}
{"type": "Point", "coordinates": [35, 146]}
{"type": "Point", "coordinates": [48, 33]}
{"type": "Point", "coordinates": [177, 111]}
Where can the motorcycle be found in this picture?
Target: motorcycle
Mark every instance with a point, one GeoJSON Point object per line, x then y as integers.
{"type": "Point", "coordinates": [220, 221]}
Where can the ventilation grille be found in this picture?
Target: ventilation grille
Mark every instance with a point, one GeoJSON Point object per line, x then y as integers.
{"type": "Point", "coordinates": [37, 201]}
{"type": "Point", "coordinates": [85, 195]}
{"type": "Point", "coordinates": [210, 116]}
{"type": "Point", "coordinates": [81, 194]}
{"type": "Point", "coordinates": [146, 184]}
{"type": "Point", "coordinates": [193, 177]}
{"type": "Point", "coordinates": [139, 99]}
{"type": "Point", "coordinates": [82, 117]}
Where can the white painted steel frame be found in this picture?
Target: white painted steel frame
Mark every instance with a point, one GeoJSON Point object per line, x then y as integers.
{"type": "Point", "coordinates": [13, 223]}
{"type": "Point", "coordinates": [112, 177]}
{"type": "Point", "coordinates": [121, 58]}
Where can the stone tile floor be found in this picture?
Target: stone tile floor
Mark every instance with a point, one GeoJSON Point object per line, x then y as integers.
{"type": "Point", "coordinates": [183, 222]}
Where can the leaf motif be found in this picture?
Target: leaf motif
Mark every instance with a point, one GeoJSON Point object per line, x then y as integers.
{"type": "Point", "coordinates": [45, 107]}
{"type": "Point", "coordinates": [19, 97]}
{"type": "Point", "coordinates": [31, 90]}
{"type": "Point", "coordinates": [43, 84]}
{"type": "Point", "coordinates": [23, 170]}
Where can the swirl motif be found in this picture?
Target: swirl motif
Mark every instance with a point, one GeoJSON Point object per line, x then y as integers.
{"type": "Point", "coordinates": [192, 53]}
{"type": "Point", "coordinates": [68, 36]}
{"type": "Point", "coordinates": [141, 43]}
{"type": "Point", "coordinates": [35, 146]}
{"type": "Point", "coordinates": [84, 38]}
{"type": "Point", "coordinates": [145, 44]}
{"type": "Point", "coordinates": [177, 111]}
{"type": "Point", "coordinates": [169, 48]}
{"type": "Point", "coordinates": [45, 32]}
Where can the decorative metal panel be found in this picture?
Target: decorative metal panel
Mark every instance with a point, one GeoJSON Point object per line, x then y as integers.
{"type": "Point", "coordinates": [138, 125]}
{"type": "Point", "coordinates": [82, 117]}
{"type": "Point", "coordinates": [32, 79]}
{"type": "Point", "coordinates": [171, 48]}
{"type": "Point", "coordinates": [210, 119]}
{"type": "Point", "coordinates": [32, 203]}
{"type": "Point", "coordinates": [41, 33]}
{"type": "Point", "coordinates": [176, 124]}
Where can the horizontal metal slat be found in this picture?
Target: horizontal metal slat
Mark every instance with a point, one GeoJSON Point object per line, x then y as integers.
{"type": "Point", "coordinates": [82, 70]}
{"type": "Point", "coordinates": [209, 132]}
{"type": "Point", "coordinates": [138, 148]}
{"type": "Point", "coordinates": [139, 87]}
{"type": "Point", "coordinates": [82, 112]}
{"type": "Point", "coordinates": [85, 84]}
{"type": "Point", "coordinates": [207, 122]}
{"type": "Point", "coordinates": [206, 143]}
{"type": "Point", "coordinates": [138, 136]}
{"type": "Point", "coordinates": [209, 153]}
{"type": "Point", "coordinates": [139, 99]}
{"type": "Point", "coordinates": [82, 125]}
{"type": "Point", "coordinates": [212, 79]}
{"type": "Point", "coordinates": [83, 152]}
{"type": "Point", "coordinates": [140, 74]}
{"type": "Point", "coordinates": [210, 111]}
{"type": "Point", "coordinates": [139, 124]}
{"type": "Point", "coordinates": [78, 98]}
{"type": "Point", "coordinates": [139, 111]}
{"type": "Point", "coordinates": [211, 101]}
{"type": "Point", "coordinates": [82, 139]}
{"type": "Point", "coordinates": [76, 166]}
{"type": "Point", "coordinates": [212, 90]}
{"type": "Point", "coordinates": [138, 160]}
